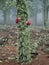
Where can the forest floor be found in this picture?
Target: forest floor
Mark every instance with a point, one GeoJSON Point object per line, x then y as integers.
{"type": "Point", "coordinates": [8, 50]}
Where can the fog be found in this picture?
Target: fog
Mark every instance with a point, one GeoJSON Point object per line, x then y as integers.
{"type": "Point", "coordinates": [12, 15]}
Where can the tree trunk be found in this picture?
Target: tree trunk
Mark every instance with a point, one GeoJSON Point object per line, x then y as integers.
{"type": "Point", "coordinates": [23, 38]}
{"type": "Point", "coordinates": [45, 12]}
{"type": "Point", "coordinates": [5, 17]}
{"type": "Point", "coordinates": [35, 17]}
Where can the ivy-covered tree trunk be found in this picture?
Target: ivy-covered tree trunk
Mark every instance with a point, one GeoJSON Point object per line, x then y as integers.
{"type": "Point", "coordinates": [23, 32]}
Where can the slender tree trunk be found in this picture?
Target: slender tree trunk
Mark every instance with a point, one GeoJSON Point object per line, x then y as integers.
{"type": "Point", "coordinates": [5, 17]}
{"type": "Point", "coordinates": [36, 18]}
{"type": "Point", "coordinates": [45, 12]}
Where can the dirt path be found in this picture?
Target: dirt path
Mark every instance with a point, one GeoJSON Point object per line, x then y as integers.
{"type": "Point", "coordinates": [40, 60]}
{"type": "Point", "coordinates": [9, 50]}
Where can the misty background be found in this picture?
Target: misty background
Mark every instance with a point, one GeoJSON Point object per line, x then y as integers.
{"type": "Point", "coordinates": [35, 11]}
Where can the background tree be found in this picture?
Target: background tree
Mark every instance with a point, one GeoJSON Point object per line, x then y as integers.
{"type": "Point", "coordinates": [4, 6]}
{"type": "Point", "coordinates": [45, 12]}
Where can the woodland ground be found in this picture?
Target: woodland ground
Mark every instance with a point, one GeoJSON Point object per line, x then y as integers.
{"type": "Point", "coordinates": [8, 49]}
